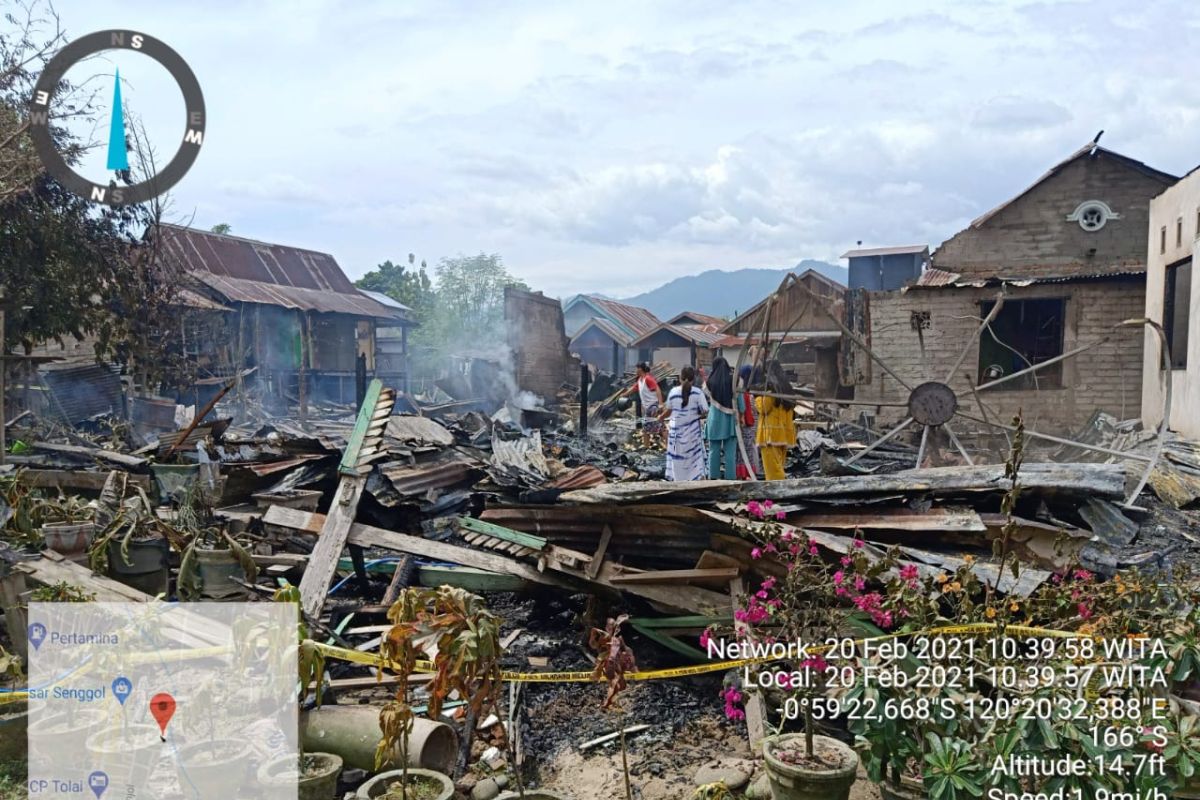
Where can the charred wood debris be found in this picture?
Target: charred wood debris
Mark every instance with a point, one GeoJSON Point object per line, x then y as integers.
{"type": "Point", "coordinates": [507, 498]}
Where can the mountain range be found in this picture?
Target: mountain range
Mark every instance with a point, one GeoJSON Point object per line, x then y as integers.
{"type": "Point", "coordinates": [724, 293]}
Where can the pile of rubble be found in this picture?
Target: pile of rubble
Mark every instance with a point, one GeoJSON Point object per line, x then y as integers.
{"type": "Point", "coordinates": [353, 505]}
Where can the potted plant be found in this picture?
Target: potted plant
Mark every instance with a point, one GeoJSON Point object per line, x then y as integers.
{"type": "Point", "coordinates": [133, 545]}
{"type": "Point", "coordinates": [212, 564]}
{"type": "Point", "coordinates": [315, 775]}
{"type": "Point", "coordinates": [68, 525]}
{"type": "Point", "coordinates": [804, 605]}
{"type": "Point", "coordinates": [466, 637]}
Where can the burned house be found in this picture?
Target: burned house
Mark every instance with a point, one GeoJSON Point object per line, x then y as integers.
{"type": "Point", "coordinates": [603, 332]}
{"type": "Point", "coordinates": [290, 313]}
{"type": "Point", "coordinates": [1066, 261]}
{"type": "Point", "coordinates": [800, 324]}
{"type": "Point", "coordinates": [1173, 301]}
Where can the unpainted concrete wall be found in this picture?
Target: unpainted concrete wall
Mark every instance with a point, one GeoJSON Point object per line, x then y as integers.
{"type": "Point", "coordinates": [1108, 377]}
{"type": "Point", "coordinates": [1180, 201]}
{"type": "Point", "coordinates": [1034, 230]}
{"type": "Point", "coordinates": [538, 341]}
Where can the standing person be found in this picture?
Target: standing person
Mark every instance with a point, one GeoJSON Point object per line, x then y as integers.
{"type": "Point", "coordinates": [685, 409]}
{"type": "Point", "coordinates": [721, 429]}
{"type": "Point", "coordinates": [651, 397]}
{"type": "Point", "coordinates": [776, 423]}
{"type": "Point", "coordinates": [748, 427]}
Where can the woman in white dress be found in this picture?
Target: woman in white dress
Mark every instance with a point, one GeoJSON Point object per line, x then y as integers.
{"type": "Point", "coordinates": [685, 410]}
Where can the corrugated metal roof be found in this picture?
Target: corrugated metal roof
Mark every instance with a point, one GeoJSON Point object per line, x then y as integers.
{"type": "Point", "coordinates": [190, 299]}
{"type": "Point", "coordinates": [636, 320]}
{"type": "Point", "coordinates": [707, 336]}
{"type": "Point", "coordinates": [607, 328]}
{"type": "Point", "coordinates": [701, 319]}
{"type": "Point", "coordinates": [390, 302]}
{"type": "Point", "coordinates": [1029, 276]}
{"type": "Point", "coordinates": [413, 481]}
{"type": "Point", "coordinates": [249, 271]}
{"type": "Point", "coordinates": [83, 392]}
{"type": "Point", "coordinates": [887, 251]}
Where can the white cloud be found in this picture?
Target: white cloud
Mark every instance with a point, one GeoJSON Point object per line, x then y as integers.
{"type": "Point", "coordinates": [612, 147]}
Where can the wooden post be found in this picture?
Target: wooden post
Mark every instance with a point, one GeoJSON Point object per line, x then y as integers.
{"type": "Point", "coordinates": [302, 374]}
{"type": "Point", "coordinates": [754, 702]}
{"type": "Point", "coordinates": [584, 377]}
{"type": "Point", "coordinates": [12, 586]}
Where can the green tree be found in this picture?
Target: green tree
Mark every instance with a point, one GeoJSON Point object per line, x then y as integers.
{"type": "Point", "coordinates": [408, 285]}
{"type": "Point", "coordinates": [469, 311]}
{"type": "Point", "coordinates": [221, 228]}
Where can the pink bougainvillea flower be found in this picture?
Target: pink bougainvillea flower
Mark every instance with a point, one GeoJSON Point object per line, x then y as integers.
{"type": "Point", "coordinates": [755, 509]}
{"type": "Point", "coordinates": [860, 582]}
{"type": "Point", "coordinates": [838, 578]}
{"type": "Point", "coordinates": [781, 515]}
{"type": "Point", "coordinates": [705, 638]}
{"type": "Point", "coordinates": [859, 544]}
{"type": "Point", "coordinates": [787, 535]}
{"type": "Point", "coordinates": [847, 561]}
{"type": "Point", "coordinates": [768, 503]}
{"type": "Point", "coordinates": [1083, 575]}
{"type": "Point", "coordinates": [769, 583]}
{"type": "Point", "coordinates": [1085, 611]}
{"type": "Point", "coordinates": [909, 572]}
{"type": "Point", "coordinates": [756, 552]}
{"type": "Point", "coordinates": [771, 548]}
{"type": "Point", "coordinates": [815, 662]}
{"type": "Point", "coordinates": [812, 550]}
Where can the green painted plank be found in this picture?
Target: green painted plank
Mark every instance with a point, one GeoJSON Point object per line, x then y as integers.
{"type": "Point", "coordinates": [692, 621]}
{"type": "Point", "coordinates": [694, 653]}
{"type": "Point", "coordinates": [500, 532]}
{"type": "Point", "coordinates": [349, 465]}
{"type": "Point", "coordinates": [474, 580]}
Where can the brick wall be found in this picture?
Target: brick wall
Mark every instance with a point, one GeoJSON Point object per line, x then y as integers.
{"type": "Point", "coordinates": [1034, 229]}
{"type": "Point", "coordinates": [1107, 377]}
{"type": "Point", "coordinates": [538, 342]}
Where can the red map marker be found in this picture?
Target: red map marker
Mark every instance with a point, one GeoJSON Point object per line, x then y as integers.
{"type": "Point", "coordinates": [162, 707]}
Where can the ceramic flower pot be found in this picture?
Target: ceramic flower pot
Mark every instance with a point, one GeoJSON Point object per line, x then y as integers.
{"type": "Point", "coordinates": [378, 786]}
{"type": "Point", "coordinates": [803, 782]}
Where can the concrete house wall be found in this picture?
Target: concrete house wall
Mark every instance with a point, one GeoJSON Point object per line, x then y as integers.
{"type": "Point", "coordinates": [1032, 247]}
{"type": "Point", "coordinates": [1106, 378]}
{"type": "Point", "coordinates": [1178, 211]}
{"type": "Point", "coordinates": [1033, 230]}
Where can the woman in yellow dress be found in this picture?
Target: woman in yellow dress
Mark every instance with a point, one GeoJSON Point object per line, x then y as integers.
{"type": "Point", "coordinates": [776, 423]}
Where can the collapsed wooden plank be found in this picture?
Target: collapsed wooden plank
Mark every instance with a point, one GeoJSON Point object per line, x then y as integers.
{"type": "Point", "coordinates": [132, 462]}
{"type": "Point", "coordinates": [559, 574]}
{"type": "Point", "coordinates": [1097, 480]}
{"type": "Point", "coordinates": [894, 519]}
{"type": "Point", "coordinates": [364, 443]}
{"type": "Point", "coordinates": [677, 575]}
{"type": "Point", "coordinates": [74, 479]}
{"type": "Point", "coordinates": [52, 568]}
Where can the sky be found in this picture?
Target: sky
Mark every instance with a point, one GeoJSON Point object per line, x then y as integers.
{"type": "Point", "coordinates": [614, 146]}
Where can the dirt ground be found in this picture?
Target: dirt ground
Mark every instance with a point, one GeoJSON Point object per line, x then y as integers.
{"type": "Point", "coordinates": [661, 767]}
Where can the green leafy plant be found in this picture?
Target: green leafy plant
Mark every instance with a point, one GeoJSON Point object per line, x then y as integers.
{"type": "Point", "coordinates": [466, 637]}
{"type": "Point", "coordinates": [952, 769]}
{"type": "Point", "coordinates": [11, 669]}
{"type": "Point", "coordinates": [61, 592]}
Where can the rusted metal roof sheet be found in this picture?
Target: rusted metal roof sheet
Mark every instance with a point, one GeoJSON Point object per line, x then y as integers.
{"type": "Point", "coordinates": [636, 320]}
{"type": "Point", "coordinates": [413, 481]}
{"type": "Point", "coordinates": [83, 392]}
{"type": "Point", "coordinates": [1025, 275]}
{"type": "Point", "coordinates": [683, 318]}
{"type": "Point", "coordinates": [249, 271]}
{"type": "Point", "coordinates": [912, 249]}
{"type": "Point", "coordinates": [608, 329]}
{"type": "Point", "coordinates": [708, 336]}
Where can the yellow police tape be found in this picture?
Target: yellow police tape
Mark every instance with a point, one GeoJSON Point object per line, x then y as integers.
{"type": "Point", "coordinates": [376, 660]}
